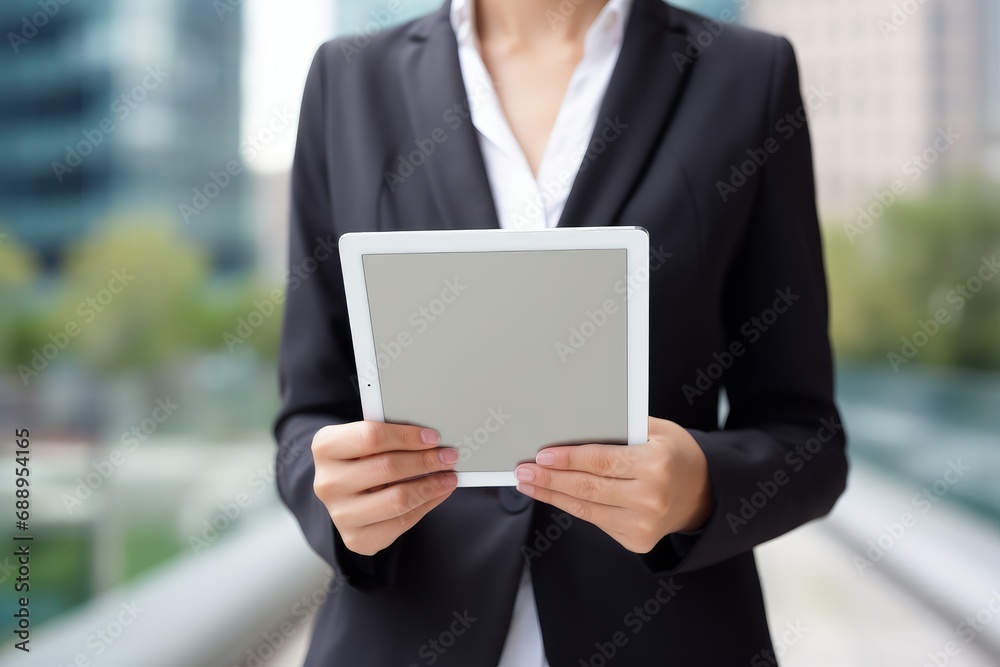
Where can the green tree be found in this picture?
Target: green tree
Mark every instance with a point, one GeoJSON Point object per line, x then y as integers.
{"type": "Point", "coordinates": [133, 290]}
{"type": "Point", "coordinates": [925, 257]}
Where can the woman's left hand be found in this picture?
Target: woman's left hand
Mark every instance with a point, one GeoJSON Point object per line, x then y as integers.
{"type": "Point", "coordinates": [637, 494]}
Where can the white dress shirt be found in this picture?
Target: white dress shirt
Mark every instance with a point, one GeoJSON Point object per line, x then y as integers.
{"type": "Point", "coordinates": [526, 202]}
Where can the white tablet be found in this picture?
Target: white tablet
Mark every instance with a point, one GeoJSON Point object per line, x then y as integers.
{"type": "Point", "coordinates": [503, 341]}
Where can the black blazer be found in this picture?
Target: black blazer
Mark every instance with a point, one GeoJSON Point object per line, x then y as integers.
{"type": "Point", "coordinates": [700, 140]}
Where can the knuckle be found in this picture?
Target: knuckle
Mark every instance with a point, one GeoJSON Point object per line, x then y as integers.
{"type": "Point", "coordinates": [383, 469]}
{"type": "Point", "coordinates": [665, 461]}
{"type": "Point", "coordinates": [657, 503]}
{"type": "Point", "coordinates": [430, 488]}
{"type": "Point", "coordinates": [585, 488]}
{"type": "Point", "coordinates": [601, 462]}
{"type": "Point", "coordinates": [355, 542]}
{"type": "Point", "coordinates": [411, 436]}
{"type": "Point", "coordinates": [399, 500]}
{"type": "Point", "coordinates": [645, 535]}
{"type": "Point", "coordinates": [579, 509]}
{"type": "Point", "coordinates": [430, 460]}
{"type": "Point", "coordinates": [321, 441]}
{"type": "Point", "coordinates": [657, 506]}
{"type": "Point", "coordinates": [368, 435]}
{"type": "Point", "coordinates": [322, 486]}
{"type": "Point", "coordinates": [350, 539]}
{"type": "Point", "coordinates": [339, 518]}
{"type": "Point", "coordinates": [406, 521]}
{"type": "Point", "coordinates": [637, 545]}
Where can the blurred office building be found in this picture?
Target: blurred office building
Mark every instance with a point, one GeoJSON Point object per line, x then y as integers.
{"type": "Point", "coordinates": [365, 17]}
{"type": "Point", "coordinates": [122, 112]}
{"type": "Point", "coordinates": [903, 92]}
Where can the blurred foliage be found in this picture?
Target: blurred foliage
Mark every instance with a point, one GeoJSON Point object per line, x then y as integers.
{"type": "Point", "coordinates": [885, 280]}
{"type": "Point", "coordinates": [18, 266]}
{"type": "Point", "coordinates": [149, 544]}
{"type": "Point", "coordinates": [63, 554]}
{"type": "Point", "coordinates": [889, 279]}
{"type": "Point", "coordinates": [137, 295]}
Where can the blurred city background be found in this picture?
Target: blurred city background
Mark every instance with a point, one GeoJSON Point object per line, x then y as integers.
{"type": "Point", "coordinates": [144, 157]}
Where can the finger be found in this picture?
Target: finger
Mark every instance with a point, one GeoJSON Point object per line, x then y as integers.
{"type": "Point", "coordinates": [395, 500]}
{"type": "Point", "coordinates": [582, 485]}
{"type": "Point", "coordinates": [378, 470]}
{"type": "Point", "coordinates": [385, 532]}
{"type": "Point", "coordinates": [365, 438]}
{"type": "Point", "coordinates": [604, 517]}
{"type": "Point", "coordinates": [603, 460]}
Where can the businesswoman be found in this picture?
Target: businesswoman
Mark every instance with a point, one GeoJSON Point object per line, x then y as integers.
{"type": "Point", "coordinates": [527, 114]}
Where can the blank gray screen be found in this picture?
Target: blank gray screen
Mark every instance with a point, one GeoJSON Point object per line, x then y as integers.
{"type": "Point", "coordinates": [503, 353]}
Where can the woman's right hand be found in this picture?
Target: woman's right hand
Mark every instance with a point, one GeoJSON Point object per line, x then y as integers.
{"type": "Point", "coordinates": [378, 480]}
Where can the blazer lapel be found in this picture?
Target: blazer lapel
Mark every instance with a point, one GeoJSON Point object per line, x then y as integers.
{"type": "Point", "coordinates": [637, 106]}
{"type": "Point", "coordinates": [438, 106]}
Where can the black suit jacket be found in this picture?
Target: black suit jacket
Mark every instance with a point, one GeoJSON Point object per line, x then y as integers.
{"type": "Point", "coordinates": [700, 141]}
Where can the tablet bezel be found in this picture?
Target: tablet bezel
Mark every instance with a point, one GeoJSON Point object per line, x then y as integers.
{"type": "Point", "coordinates": [634, 240]}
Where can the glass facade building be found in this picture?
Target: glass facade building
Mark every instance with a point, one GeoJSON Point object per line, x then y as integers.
{"type": "Point", "coordinates": [118, 111]}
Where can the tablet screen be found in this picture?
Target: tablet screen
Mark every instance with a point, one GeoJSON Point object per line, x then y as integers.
{"type": "Point", "coordinates": [503, 353]}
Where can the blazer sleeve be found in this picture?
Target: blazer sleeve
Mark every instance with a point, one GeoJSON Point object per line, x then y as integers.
{"type": "Point", "coordinates": [780, 460]}
{"type": "Point", "coordinates": [316, 360]}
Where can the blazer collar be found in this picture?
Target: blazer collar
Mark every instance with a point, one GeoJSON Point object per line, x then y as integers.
{"type": "Point", "coordinates": [640, 98]}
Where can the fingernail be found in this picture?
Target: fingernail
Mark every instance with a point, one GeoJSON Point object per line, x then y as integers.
{"type": "Point", "coordinates": [430, 436]}
{"type": "Point", "coordinates": [448, 456]}
{"type": "Point", "coordinates": [524, 474]}
{"type": "Point", "coordinates": [526, 489]}
{"type": "Point", "coordinates": [545, 458]}
{"type": "Point", "coordinates": [449, 479]}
